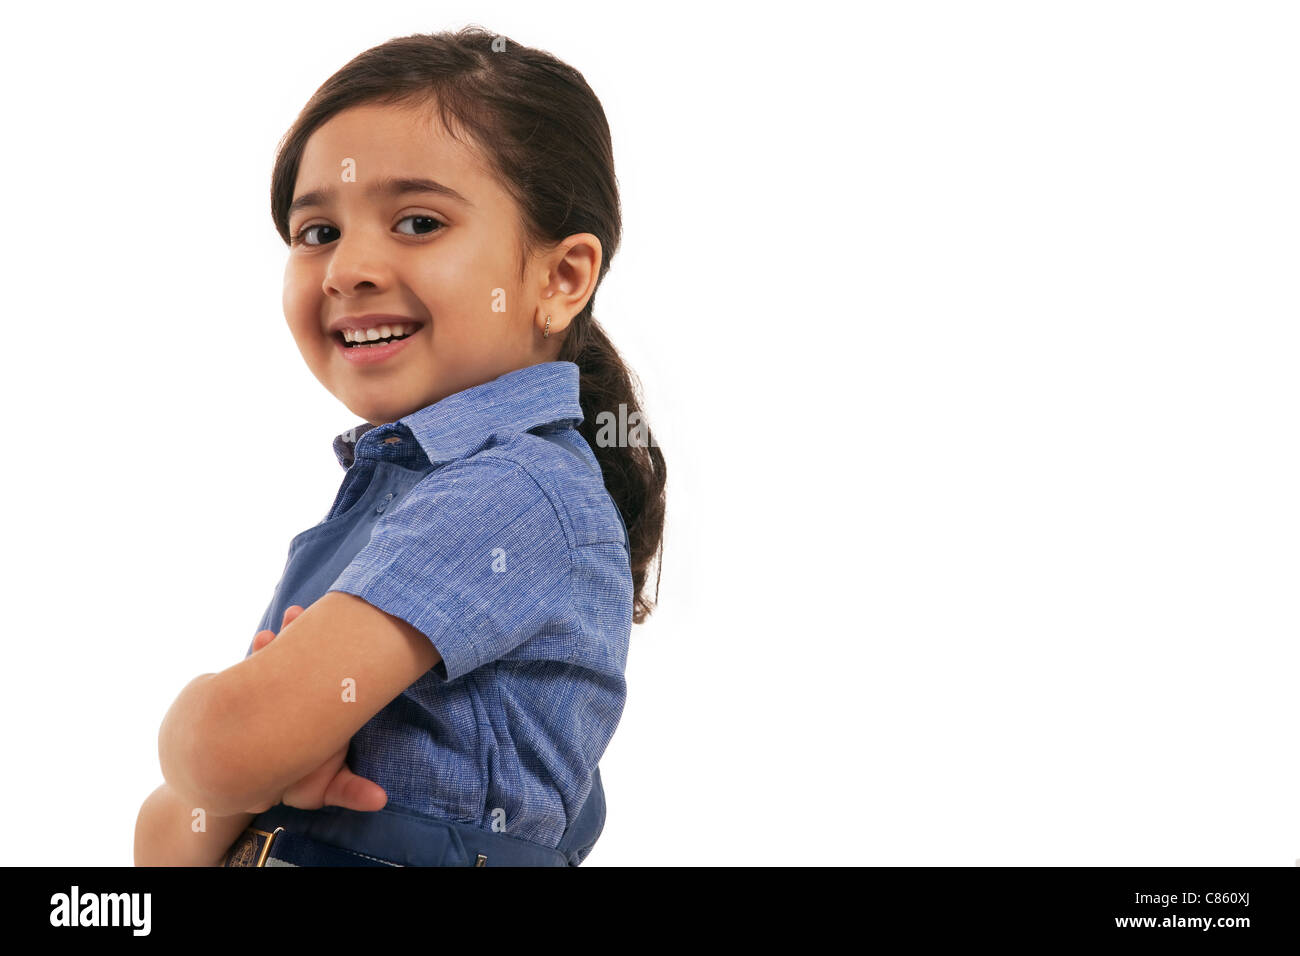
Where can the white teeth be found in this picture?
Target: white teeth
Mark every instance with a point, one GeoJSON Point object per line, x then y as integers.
{"type": "Point", "coordinates": [379, 332]}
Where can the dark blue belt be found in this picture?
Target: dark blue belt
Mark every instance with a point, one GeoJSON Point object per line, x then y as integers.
{"type": "Point", "coordinates": [288, 836]}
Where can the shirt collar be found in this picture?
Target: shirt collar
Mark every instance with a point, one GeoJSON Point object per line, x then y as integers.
{"type": "Point", "coordinates": [510, 404]}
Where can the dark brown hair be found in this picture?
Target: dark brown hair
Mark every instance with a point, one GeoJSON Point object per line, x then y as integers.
{"type": "Point", "coordinates": [545, 136]}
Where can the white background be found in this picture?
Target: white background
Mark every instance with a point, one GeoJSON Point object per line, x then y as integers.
{"type": "Point", "coordinates": [969, 335]}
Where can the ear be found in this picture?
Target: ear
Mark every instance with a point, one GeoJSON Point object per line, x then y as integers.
{"type": "Point", "coordinates": [569, 280]}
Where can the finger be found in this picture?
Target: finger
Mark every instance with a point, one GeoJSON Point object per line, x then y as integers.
{"type": "Point", "coordinates": [262, 638]}
{"type": "Point", "coordinates": [309, 792]}
{"type": "Point", "coordinates": [292, 611]}
{"type": "Point", "coordinates": [355, 793]}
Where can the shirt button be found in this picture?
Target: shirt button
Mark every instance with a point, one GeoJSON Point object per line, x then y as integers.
{"type": "Point", "coordinates": [390, 441]}
{"type": "Point", "coordinates": [379, 508]}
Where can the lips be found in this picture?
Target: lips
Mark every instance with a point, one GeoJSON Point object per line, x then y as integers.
{"type": "Point", "coordinates": [361, 355]}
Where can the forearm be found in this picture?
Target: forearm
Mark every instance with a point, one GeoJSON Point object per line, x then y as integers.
{"type": "Point", "coordinates": [168, 831]}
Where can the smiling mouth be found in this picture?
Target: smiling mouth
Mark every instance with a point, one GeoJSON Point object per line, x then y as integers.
{"type": "Point", "coordinates": [338, 336]}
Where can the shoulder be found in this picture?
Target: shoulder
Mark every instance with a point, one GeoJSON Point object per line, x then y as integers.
{"type": "Point", "coordinates": [526, 487]}
{"type": "Point", "coordinates": [564, 469]}
{"type": "Point", "coordinates": [483, 496]}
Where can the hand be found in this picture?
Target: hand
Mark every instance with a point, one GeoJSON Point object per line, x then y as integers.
{"type": "Point", "coordinates": [332, 783]}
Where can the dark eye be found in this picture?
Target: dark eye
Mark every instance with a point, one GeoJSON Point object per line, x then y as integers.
{"type": "Point", "coordinates": [302, 233]}
{"type": "Point", "coordinates": [427, 221]}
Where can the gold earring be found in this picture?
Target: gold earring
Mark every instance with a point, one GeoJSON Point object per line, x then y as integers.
{"type": "Point", "coordinates": [547, 333]}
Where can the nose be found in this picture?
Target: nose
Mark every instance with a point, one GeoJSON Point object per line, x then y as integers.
{"type": "Point", "coordinates": [355, 265]}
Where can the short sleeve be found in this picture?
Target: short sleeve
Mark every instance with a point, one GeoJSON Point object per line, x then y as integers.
{"type": "Point", "coordinates": [474, 556]}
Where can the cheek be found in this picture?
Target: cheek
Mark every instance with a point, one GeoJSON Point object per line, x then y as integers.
{"type": "Point", "coordinates": [294, 289]}
{"type": "Point", "coordinates": [301, 303]}
{"type": "Point", "coordinates": [444, 277]}
{"type": "Point", "coordinates": [301, 288]}
{"type": "Point", "coordinates": [469, 270]}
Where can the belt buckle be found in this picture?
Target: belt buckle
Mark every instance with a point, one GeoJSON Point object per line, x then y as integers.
{"type": "Point", "coordinates": [251, 848]}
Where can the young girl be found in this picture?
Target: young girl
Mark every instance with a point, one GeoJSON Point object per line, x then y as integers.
{"type": "Point", "coordinates": [453, 635]}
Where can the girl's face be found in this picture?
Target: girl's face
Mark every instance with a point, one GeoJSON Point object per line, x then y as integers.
{"type": "Point", "coordinates": [443, 254]}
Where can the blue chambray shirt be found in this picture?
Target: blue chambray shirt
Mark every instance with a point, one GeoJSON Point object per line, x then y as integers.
{"type": "Point", "coordinates": [482, 520]}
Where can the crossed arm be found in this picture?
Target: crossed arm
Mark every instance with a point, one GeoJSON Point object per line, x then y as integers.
{"type": "Point", "coordinates": [234, 741]}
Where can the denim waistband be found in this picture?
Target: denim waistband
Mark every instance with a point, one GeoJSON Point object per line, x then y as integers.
{"type": "Point", "coordinates": [403, 838]}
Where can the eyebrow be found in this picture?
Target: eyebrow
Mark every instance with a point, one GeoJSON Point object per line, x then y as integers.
{"type": "Point", "coordinates": [390, 186]}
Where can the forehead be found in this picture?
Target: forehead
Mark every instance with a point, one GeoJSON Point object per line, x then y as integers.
{"type": "Point", "coordinates": [390, 141]}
